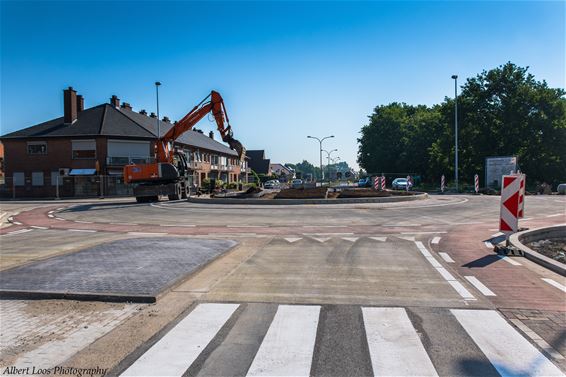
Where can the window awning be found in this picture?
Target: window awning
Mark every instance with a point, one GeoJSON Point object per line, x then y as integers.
{"type": "Point", "coordinates": [82, 172]}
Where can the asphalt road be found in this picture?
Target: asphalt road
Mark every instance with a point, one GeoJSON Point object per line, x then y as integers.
{"type": "Point", "coordinates": [427, 260]}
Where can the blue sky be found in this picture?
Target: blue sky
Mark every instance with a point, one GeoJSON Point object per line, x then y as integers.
{"type": "Point", "coordinates": [285, 69]}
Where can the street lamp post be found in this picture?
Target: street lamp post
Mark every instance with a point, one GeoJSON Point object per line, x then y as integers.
{"type": "Point", "coordinates": [157, 84]}
{"type": "Point", "coordinates": [455, 77]}
{"type": "Point", "coordinates": [320, 143]}
{"type": "Point", "coordinates": [328, 159]}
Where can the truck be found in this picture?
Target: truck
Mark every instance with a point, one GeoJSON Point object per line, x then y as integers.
{"type": "Point", "coordinates": [169, 174]}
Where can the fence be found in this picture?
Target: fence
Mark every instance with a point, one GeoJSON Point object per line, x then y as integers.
{"type": "Point", "coordinates": [58, 186]}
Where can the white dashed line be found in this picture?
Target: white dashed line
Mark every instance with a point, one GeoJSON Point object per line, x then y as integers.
{"type": "Point", "coordinates": [83, 222]}
{"type": "Point", "coordinates": [50, 212]}
{"type": "Point", "coordinates": [497, 234]}
{"type": "Point", "coordinates": [60, 219]}
{"type": "Point", "coordinates": [328, 234]}
{"type": "Point", "coordinates": [244, 226]}
{"type": "Point", "coordinates": [555, 284]}
{"type": "Point", "coordinates": [480, 286]}
{"type": "Point", "coordinates": [39, 227]}
{"type": "Point", "coordinates": [446, 257]}
{"type": "Point", "coordinates": [82, 230]}
{"type": "Point", "coordinates": [179, 225]}
{"type": "Point", "coordinates": [488, 244]}
{"type": "Point", "coordinates": [435, 240]}
{"type": "Point", "coordinates": [401, 225]}
{"type": "Point", "coordinates": [16, 223]}
{"type": "Point", "coordinates": [50, 216]}
{"type": "Point", "coordinates": [123, 224]}
{"type": "Point", "coordinates": [18, 232]}
{"type": "Point", "coordinates": [509, 260]}
{"type": "Point", "coordinates": [423, 232]}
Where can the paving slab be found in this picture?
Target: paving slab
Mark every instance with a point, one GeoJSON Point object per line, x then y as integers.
{"type": "Point", "coordinates": [134, 270]}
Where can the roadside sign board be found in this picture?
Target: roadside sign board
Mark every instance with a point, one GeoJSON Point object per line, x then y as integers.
{"type": "Point", "coordinates": [509, 211]}
{"type": "Point", "coordinates": [495, 167]}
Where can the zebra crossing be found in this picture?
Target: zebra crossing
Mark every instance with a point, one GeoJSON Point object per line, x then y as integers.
{"type": "Point", "coordinates": [257, 339]}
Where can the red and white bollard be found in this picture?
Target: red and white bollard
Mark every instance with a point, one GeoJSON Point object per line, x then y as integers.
{"type": "Point", "coordinates": [382, 183]}
{"type": "Point", "coordinates": [477, 183]}
{"type": "Point", "coordinates": [442, 184]}
{"type": "Point", "coordinates": [409, 182]}
{"type": "Point", "coordinates": [376, 184]}
{"type": "Point", "coordinates": [522, 196]}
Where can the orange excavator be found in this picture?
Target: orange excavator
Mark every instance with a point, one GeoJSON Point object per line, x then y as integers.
{"type": "Point", "coordinates": [169, 174]}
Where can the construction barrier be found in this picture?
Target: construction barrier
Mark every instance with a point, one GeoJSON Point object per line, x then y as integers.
{"type": "Point", "coordinates": [442, 183]}
{"type": "Point", "coordinates": [376, 183]}
{"type": "Point", "coordinates": [522, 196]}
{"type": "Point", "coordinates": [509, 212]}
{"type": "Point", "coordinates": [382, 183]}
{"type": "Point", "coordinates": [477, 183]}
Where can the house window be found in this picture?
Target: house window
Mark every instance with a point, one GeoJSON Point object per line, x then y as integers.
{"type": "Point", "coordinates": [84, 149]}
{"type": "Point", "coordinates": [19, 178]}
{"type": "Point", "coordinates": [37, 178]}
{"type": "Point", "coordinates": [37, 147]}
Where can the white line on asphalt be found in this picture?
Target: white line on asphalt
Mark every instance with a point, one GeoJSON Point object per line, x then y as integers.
{"type": "Point", "coordinates": [423, 232]}
{"type": "Point", "coordinates": [501, 344]}
{"type": "Point", "coordinates": [16, 223]}
{"type": "Point", "coordinates": [288, 346]}
{"type": "Point", "coordinates": [60, 219]}
{"type": "Point", "coordinates": [244, 226]}
{"type": "Point", "coordinates": [527, 218]}
{"type": "Point", "coordinates": [394, 346]}
{"type": "Point", "coordinates": [324, 226]}
{"type": "Point", "coordinates": [380, 239]}
{"type": "Point", "coordinates": [537, 339]}
{"type": "Point", "coordinates": [555, 284]}
{"type": "Point", "coordinates": [18, 232]}
{"type": "Point", "coordinates": [233, 235]}
{"type": "Point", "coordinates": [321, 240]}
{"type": "Point", "coordinates": [173, 354]}
{"type": "Point", "coordinates": [50, 212]}
{"type": "Point", "coordinates": [292, 239]}
{"type": "Point", "coordinates": [60, 209]}
{"type": "Point", "coordinates": [488, 244]}
{"type": "Point", "coordinates": [497, 234]}
{"type": "Point", "coordinates": [83, 222]}
{"type": "Point", "coordinates": [509, 260]}
{"type": "Point", "coordinates": [401, 225]}
{"type": "Point", "coordinates": [50, 216]}
{"type": "Point", "coordinates": [179, 225]}
{"type": "Point", "coordinates": [462, 291]}
{"type": "Point", "coordinates": [146, 234]}
{"type": "Point", "coordinates": [407, 238]}
{"type": "Point", "coordinates": [351, 239]}
{"type": "Point", "coordinates": [446, 257]}
{"type": "Point", "coordinates": [556, 215]}
{"type": "Point", "coordinates": [480, 286]}
{"type": "Point", "coordinates": [123, 224]}
{"type": "Point", "coordinates": [328, 234]}
{"type": "Point", "coordinates": [39, 227]}
{"type": "Point", "coordinates": [82, 230]}
{"type": "Point", "coordinates": [435, 240]}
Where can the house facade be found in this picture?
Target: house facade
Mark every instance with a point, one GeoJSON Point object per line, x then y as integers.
{"type": "Point", "coordinates": [83, 152]}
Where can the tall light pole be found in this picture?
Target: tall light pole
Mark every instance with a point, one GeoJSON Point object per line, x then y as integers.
{"type": "Point", "coordinates": [157, 84]}
{"type": "Point", "coordinates": [328, 158]}
{"type": "Point", "coordinates": [455, 77]}
{"type": "Point", "coordinates": [320, 143]}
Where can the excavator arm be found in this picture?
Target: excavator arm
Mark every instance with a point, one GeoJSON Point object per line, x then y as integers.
{"type": "Point", "coordinates": [212, 103]}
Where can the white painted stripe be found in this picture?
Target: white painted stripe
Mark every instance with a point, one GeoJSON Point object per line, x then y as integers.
{"type": "Point", "coordinates": [555, 284]}
{"type": "Point", "coordinates": [527, 218]}
{"type": "Point", "coordinates": [288, 346]}
{"type": "Point", "coordinates": [50, 212]}
{"type": "Point", "coordinates": [401, 225]}
{"type": "Point", "coordinates": [321, 240]}
{"type": "Point", "coordinates": [502, 344]}
{"type": "Point", "coordinates": [179, 225]}
{"type": "Point", "coordinates": [480, 286]}
{"type": "Point", "coordinates": [380, 239]}
{"type": "Point", "coordinates": [435, 240]}
{"type": "Point", "coordinates": [445, 274]}
{"type": "Point", "coordinates": [433, 262]}
{"type": "Point", "coordinates": [18, 232]}
{"type": "Point", "coordinates": [17, 223]}
{"type": "Point", "coordinates": [123, 224]}
{"type": "Point", "coordinates": [423, 232]}
{"type": "Point", "coordinates": [509, 260]}
{"type": "Point", "coordinates": [394, 346]}
{"type": "Point", "coordinates": [50, 216]}
{"type": "Point", "coordinates": [39, 227]}
{"type": "Point", "coordinates": [244, 226]}
{"type": "Point", "coordinates": [407, 238]}
{"type": "Point", "coordinates": [60, 219]}
{"type": "Point", "coordinates": [446, 257]}
{"type": "Point", "coordinates": [60, 209]}
{"type": "Point", "coordinates": [556, 215]}
{"type": "Point", "coordinates": [292, 239]}
{"type": "Point", "coordinates": [497, 234]}
{"type": "Point", "coordinates": [462, 291]}
{"type": "Point", "coordinates": [351, 239]}
{"type": "Point", "coordinates": [328, 234]}
{"type": "Point", "coordinates": [83, 222]}
{"type": "Point", "coordinates": [146, 234]}
{"type": "Point", "coordinates": [173, 354]}
{"type": "Point", "coordinates": [488, 244]}
{"type": "Point", "coordinates": [82, 230]}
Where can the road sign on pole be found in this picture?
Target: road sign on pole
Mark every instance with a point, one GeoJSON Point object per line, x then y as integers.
{"type": "Point", "coordinates": [477, 183]}
{"type": "Point", "coordinates": [509, 212]}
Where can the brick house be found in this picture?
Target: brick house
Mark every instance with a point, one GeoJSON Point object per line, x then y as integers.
{"type": "Point", "coordinates": [83, 152]}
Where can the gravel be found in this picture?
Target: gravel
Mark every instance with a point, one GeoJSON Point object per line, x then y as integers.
{"type": "Point", "coordinates": [552, 248]}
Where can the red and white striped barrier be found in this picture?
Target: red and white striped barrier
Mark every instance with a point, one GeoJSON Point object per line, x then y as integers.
{"type": "Point", "coordinates": [509, 212]}
{"type": "Point", "coordinates": [442, 183]}
{"type": "Point", "coordinates": [477, 183]}
{"type": "Point", "coordinates": [522, 196]}
{"type": "Point", "coordinates": [382, 183]}
{"type": "Point", "coordinates": [376, 184]}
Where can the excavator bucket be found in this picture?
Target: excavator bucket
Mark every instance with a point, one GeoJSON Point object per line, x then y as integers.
{"type": "Point", "coordinates": [235, 145]}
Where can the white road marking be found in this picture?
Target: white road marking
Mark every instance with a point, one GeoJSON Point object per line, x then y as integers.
{"type": "Point", "coordinates": [480, 286]}
{"type": "Point", "coordinates": [394, 346]}
{"type": "Point", "coordinates": [322, 240]}
{"type": "Point", "coordinates": [17, 232]}
{"type": "Point", "coordinates": [462, 291]}
{"type": "Point", "coordinates": [60, 209]}
{"type": "Point", "coordinates": [50, 212]}
{"type": "Point", "coordinates": [146, 234]}
{"type": "Point", "coordinates": [509, 260]}
{"type": "Point", "coordinates": [435, 240]}
{"type": "Point", "coordinates": [173, 354]}
{"type": "Point", "coordinates": [50, 216]}
{"type": "Point", "coordinates": [123, 224]}
{"type": "Point", "coordinates": [488, 244]}
{"type": "Point", "coordinates": [60, 219]}
{"type": "Point", "coordinates": [555, 284]}
{"type": "Point", "coordinates": [328, 234]}
{"type": "Point", "coordinates": [83, 222]}
{"type": "Point", "coordinates": [39, 227]}
{"type": "Point", "coordinates": [324, 226]}
{"type": "Point", "coordinates": [556, 215]}
{"type": "Point", "coordinates": [527, 218]}
{"type": "Point", "coordinates": [16, 223]}
{"type": "Point", "coordinates": [497, 234]}
{"type": "Point", "coordinates": [380, 239]}
{"type": "Point", "coordinates": [179, 225]}
{"type": "Point", "coordinates": [407, 238]}
{"type": "Point", "coordinates": [292, 239]}
{"type": "Point", "coordinates": [244, 226]}
{"type": "Point", "coordinates": [537, 339]}
{"type": "Point", "coordinates": [501, 344]}
{"type": "Point", "coordinates": [401, 225]}
{"type": "Point", "coordinates": [446, 257]}
{"type": "Point", "coordinates": [288, 346]}
{"type": "Point", "coordinates": [351, 239]}
{"type": "Point", "coordinates": [424, 232]}
{"type": "Point", "coordinates": [82, 230]}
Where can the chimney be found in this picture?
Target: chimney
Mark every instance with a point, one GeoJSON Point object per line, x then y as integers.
{"type": "Point", "coordinates": [211, 135]}
{"type": "Point", "coordinates": [69, 105]}
{"type": "Point", "coordinates": [115, 101]}
{"type": "Point", "coordinates": [80, 103]}
{"type": "Point", "coordinates": [152, 115]}
{"type": "Point", "coordinates": [166, 119]}
{"type": "Point", "coordinates": [143, 112]}
{"type": "Point", "coordinates": [126, 105]}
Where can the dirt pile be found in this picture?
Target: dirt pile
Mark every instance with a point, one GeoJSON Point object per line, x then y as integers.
{"type": "Point", "coordinates": [302, 193]}
{"type": "Point", "coordinates": [363, 193]}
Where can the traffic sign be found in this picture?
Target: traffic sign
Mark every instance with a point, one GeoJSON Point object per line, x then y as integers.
{"type": "Point", "coordinates": [509, 212]}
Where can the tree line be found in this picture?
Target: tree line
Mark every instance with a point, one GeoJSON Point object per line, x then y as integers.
{"type": "Point", "coordinates": [501, 112]}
